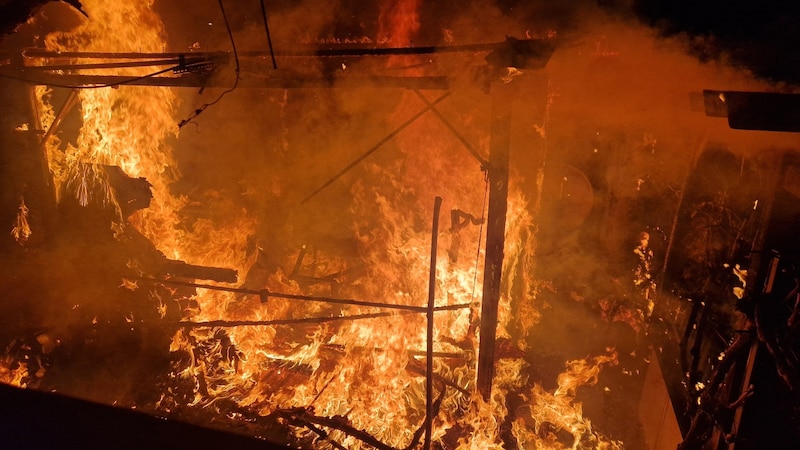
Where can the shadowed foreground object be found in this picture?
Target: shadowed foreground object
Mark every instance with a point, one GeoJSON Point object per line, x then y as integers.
{"type": "Point", "coordinates": [37, 420]}
{"type": "Point", "coordinates": [767, 111]}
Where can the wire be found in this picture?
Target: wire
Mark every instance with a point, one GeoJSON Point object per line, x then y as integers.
{"type": "Point", "coordinates": [97, 86]}
{"type": "Point", "coordinates": [480, 234]}
{"type": "Point", "coordinates": [203, 107]}
{"type": "Point", "coordinates": [269, 39]}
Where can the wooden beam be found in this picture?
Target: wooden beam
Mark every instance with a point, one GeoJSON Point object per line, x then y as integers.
{"type": "Point", "coordinates": [499, 150]}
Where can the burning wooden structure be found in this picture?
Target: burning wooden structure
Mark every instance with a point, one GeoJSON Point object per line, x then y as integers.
{"type": "Point", "coordinates": [233, 319]}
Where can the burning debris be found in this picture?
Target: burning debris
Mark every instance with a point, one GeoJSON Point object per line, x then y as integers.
{"type": "Point", "coordinates": [290, 308]}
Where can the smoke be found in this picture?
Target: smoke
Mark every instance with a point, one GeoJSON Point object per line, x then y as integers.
{"type": "Point", "coordinates": [614, 102]}
{"type": "Point", "coordinates": [611, 115]}
{"type": "Point", "coordinates": [613, 105]}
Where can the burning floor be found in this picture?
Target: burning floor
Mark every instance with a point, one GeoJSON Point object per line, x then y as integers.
{"type": "Point", "coordinates": [340, 245]}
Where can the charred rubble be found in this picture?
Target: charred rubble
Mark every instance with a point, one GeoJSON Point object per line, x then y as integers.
{"type": "Point", "coordinates": [737, 280]}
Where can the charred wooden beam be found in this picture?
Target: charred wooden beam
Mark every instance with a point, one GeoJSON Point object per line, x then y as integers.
{"type": "Point", "coordinates": [495, 235]}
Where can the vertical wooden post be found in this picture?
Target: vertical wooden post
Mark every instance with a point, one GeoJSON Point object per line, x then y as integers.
{"type": "Point", "coordinates": [495, 235]}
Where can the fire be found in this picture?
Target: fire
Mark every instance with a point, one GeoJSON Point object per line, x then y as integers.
{"type": "Point", "coordinates": [554, 420]}
{"type": "Point", "coordinates": [14, 376]}
{"type": "Point", "coordinates": [22, 229]}
{"type": "Point", "coordinates": [363, 375]}
{"type": "Point", "coordinates": [398, 22]}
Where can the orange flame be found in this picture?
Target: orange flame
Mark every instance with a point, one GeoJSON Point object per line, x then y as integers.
{"type": "Point", "coordinates": [364, 370]}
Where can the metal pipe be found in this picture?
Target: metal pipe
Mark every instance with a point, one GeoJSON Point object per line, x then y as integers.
{"type": "Point", "coordinates": [453, 130]}
{"type": "Point", "coordinates": [264, 294]}
{"type": "Point", "coordinates": [253, 323]}
{"type": "Point", "coordinates": [375, 147]}
{"type": "Point", "coordinates": [437, 206]}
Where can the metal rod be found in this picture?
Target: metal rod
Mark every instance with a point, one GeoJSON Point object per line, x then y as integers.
{"type": "Point", "coordinates": [453, 130]}
{"type": "Point", "coordinates": [342, 50]}
{"type": "Point", "coordinates": [269, 38]}
{"type": "Point", "coordinates": [437, 206]}
{"type": "Point", "coordinates": [375, 147]}
{"type": "Point", "coordinates": [253, 323]}
{"type": "Point", "coordinates": [264, 294]}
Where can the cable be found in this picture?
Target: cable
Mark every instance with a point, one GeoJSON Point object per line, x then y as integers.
{"type": "Point", "coordinates": [98, 86]}
{"type": "Point", "coordinates": [269, 39]}
{"type": "Point", "coordinates": [480, 234]}
{"type": "Point", "coordinates": [203, 107]}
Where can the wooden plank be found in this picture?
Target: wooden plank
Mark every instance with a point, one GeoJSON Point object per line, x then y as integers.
{"type": "Point", "coordinates": [499, 150]}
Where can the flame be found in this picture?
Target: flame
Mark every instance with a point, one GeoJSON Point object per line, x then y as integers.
{"type": "Point", "coordinates": [367, 371]}
{"type": "Point", "coordinates": [22, 229]}
{"type": "Point", "coordinates": [554, 420]}
{"type": "Point", "coordinates": [398, 22]}
{"type": "Point", "coordinates": [11, 375]}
